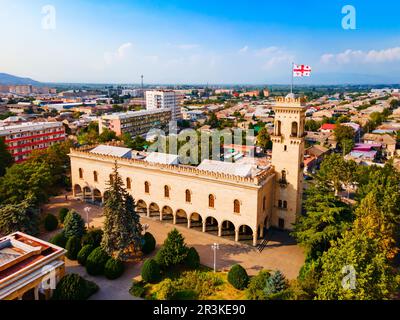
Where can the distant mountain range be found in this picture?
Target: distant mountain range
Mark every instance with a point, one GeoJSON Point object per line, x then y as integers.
{"type": "Point", "coordinates": [8, 79]}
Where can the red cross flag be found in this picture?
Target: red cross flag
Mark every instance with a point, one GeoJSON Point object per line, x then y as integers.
{"type": "Point", "coordinates": [301, 70]}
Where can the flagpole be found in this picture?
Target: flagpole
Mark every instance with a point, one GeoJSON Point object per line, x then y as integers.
{"type": "Point", "coordinates": [291, 86]}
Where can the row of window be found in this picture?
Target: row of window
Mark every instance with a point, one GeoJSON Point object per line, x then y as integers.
{"type": "Point", "coordinates": [167, 191]}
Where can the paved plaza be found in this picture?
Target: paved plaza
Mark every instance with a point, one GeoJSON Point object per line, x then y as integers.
{"type": "Point", "coordinates": [280, 251]}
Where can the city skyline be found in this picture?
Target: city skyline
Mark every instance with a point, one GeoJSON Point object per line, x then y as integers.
{"type": "Point", "coordinates": [243, 43]}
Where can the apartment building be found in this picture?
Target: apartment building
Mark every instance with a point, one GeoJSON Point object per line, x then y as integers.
{"type": "Point", "coordinates": [161, 99]}
{"type": "Point", "coordinates": [136, 123]}
{"type": "Point", "coordinates": [26, 137]}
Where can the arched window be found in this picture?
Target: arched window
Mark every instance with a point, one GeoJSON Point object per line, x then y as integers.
{"type": "Point", "coordinates": [278, 128]}
{"type": "Point", "coordinates": [146, 187]}
{"type": "Point", "coordinates": [166, 191]}
{"type": "Point", "coordinates": [294, 129]}
{"type": "Point", "coordinates": [80, 173]}
{"type": "Point", "coordinates": [211, 201]}
{"type": "Point", "coordinates": [188, 196]}
{"type": "Point", "coordinates": [284, 204]}
{"type": "Point", "coordinates": [111, 179]}
{"type": "Point", "coordinates": [236, 206]}
{"type": "Point", "coordinates": [95, 176]}
{"type": "Point", "coordinates": [264, 203]}
{"type": "Point", "coordinates": [128, 183]}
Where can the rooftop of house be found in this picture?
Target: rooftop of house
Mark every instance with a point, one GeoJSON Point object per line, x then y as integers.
{"type": "Point", "coordinates": [19, 252]}
{"type": "Point", "coordinates": [112, 151]}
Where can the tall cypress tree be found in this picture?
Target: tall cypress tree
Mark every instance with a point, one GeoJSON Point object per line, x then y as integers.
{"type": "Point", "coordinates": [122, 229]}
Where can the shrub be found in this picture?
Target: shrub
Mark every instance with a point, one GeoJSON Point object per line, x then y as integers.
{"type": "Point", "coordinates": [255, 290]}
{"type": "Point", "coordinates": [50, 222]}
{"type": "Point", "coordinates": [198, 284]}
{"type": "Point", "coordinates": [73, 247]}
{"type": "Point", "coordinates": [173, 251]}
{"type": "Point", "coordinates": [62, 214]}
{"type": "Point", "coordinates": [275, 284]}
{"type": "Point", "coordinates": [238, 277]}
{"type": "Point", "coordinates": [113, 269]}
{"type": "Point", "coordinates": [59, 240]}
{"type": "Point", "coordinates": [74, 287]}
{"type": "Point", "coordinates": [149, 243]}
{"type": "Point", "coordinates": [74, 225]}
{"type": "Point", "coordinates": [166, 290]}
{"type": "Point", "coordinates": [137, 289]}
{"type": "Point", "coordinates": [96, 262]}
{"type": "Point", "coordinates": [151, 271]}
{"type": "Point", "coordinates": [192, 259]}
{"type": "Point", "coordinates": [93, 237]}
{"type": "Point", "coordinates": [84, 253]}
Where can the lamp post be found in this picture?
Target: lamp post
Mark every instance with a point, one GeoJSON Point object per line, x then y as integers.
{"type": "Point", "coordinates": [87, 210]}
{"type": "Point", "coordinates": [215, 247]}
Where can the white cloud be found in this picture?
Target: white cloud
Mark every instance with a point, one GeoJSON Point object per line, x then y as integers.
{"type": "Point", "coordinates": [119, 54]}
{"type": "Point", "coordinates": [266, 51]}
{"type": "Point", "coordinates": [243, 50]}
{"type": "Point", "coordinates": [188, 46]}
{"type": "Point", "coordinates": [359, 56]}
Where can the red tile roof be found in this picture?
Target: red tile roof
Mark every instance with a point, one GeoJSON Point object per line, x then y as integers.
{"type": "Point", "coordinates": [328, 126]}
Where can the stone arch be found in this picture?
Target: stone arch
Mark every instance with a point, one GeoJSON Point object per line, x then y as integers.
{"type": "Point", "coordinates": [154, 210]}
{"type": "Point", "coordinates": [195, 221]}
{"type": "Point", "coordinates": [227, 229]}
{"type": "Point", "coordinates": [78, 191]}
{"type": "Point", "coordinates": [211, 225]}
{"type": "Point", "coordinates": [245, 233]}
{"type": "Point", "coordinates": [141, 208]}
{"type": "Point", "coordinates": [181, 217]}
{"type": "Point", "coordinates": [167, 213]}
{"type": "Point", "coordinates": [87, 194]}
{"type": "Point", "coordinates": [97, 196]}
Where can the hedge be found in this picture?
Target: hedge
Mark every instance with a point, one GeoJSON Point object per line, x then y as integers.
{"type": "Point", "coordinates": [96, 262]}
{"type": "Point", "coordinates": [238, 277]}
{"type": "Point", "coordinates": [149, 243]}
{"type": "Point", "coordinates": [59, 240]}
{"type": "Point", "coordinates": [74, 287]}
{"type": "Point", "coordinates": [93, 237]}
{"type": "Point", "coordinates": [151, 271]}
{"type": "Point", "coordinates": [113, 269]}
{"type": "Point", "coordinates": [192, 259]}
{"type": "Point", "coordinates": [62, 214]}
{"type": "Point", "coordinates": [73, 247]}
{"type": "Point", "coordinates": [50, 222]}
{"type": "Point", "coordinates": [84, 253]}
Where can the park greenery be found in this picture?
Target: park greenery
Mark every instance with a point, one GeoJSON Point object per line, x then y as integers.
{"type": "Point", "coordinates": [339, 235]}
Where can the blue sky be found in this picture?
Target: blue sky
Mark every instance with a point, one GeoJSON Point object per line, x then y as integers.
{"type": "Point", "coordinates": [200, 41]}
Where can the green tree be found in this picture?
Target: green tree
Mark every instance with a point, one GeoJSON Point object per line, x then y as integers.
{"type": "Point", "coordinates": [122, 229]}
{"type": "Point", "coordinates": [264, 139]}
{"type": "Point", "coordinates": [19, 217]}
{"type": "Point", "coordinates": [343, 134]}
{"type": "Point", "coordinates": [74, 225]}
{"type": "Point", "coordinates": [335, 172]}
{"type": "Point", "coordinates": [325, 219]}
{"type": "Point", "coordinates": [107, 135]}
{"type": "Point", "coordinates": [359, 255]}
{"type": "Point", "coordinates": [276, 283]}
{"type": "Point", "coordinates": [173, 251]}
{"type": "Point", "coordinates": [312, 125]}
{"type": "Point", "coordinates": [6, 159]}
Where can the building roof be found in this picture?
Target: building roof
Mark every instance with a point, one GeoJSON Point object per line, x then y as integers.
{"type": "Point", "coordinates": [112, 151]}
{"type": "Point", "coordinates": [380, 138]}
{"type": "Point", "coordinates": [316, 150]}
{"type": "Point", "coordinates": [328, 126]}
{"type": "Point", "coordinates": [132, 114]}
{"type": "Point", "coordinates": [163, 158]}
{"type": "Point", "coordinates": [21, 256]}
{"type": "Point", "coordinates": [241, 170]}
{"type": "Point", "coordinates": [28, 126]}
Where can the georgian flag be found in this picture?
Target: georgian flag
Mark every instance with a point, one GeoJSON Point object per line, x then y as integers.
{"type": "Point", "coordinates": [301, 70]}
